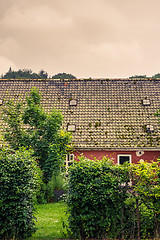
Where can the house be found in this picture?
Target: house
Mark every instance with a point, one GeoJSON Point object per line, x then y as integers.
{"type": "Point", "coordinates": [107, 117]}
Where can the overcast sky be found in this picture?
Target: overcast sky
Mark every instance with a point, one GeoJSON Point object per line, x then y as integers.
{"type": "Point", "coordinates": [88, 38]}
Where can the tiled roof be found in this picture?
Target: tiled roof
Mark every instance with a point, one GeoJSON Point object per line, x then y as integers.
{"type": "Point", "coordinates": [107, 114]}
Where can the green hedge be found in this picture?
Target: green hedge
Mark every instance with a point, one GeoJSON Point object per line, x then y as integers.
{"type": "Point", "coordinates": [95, 201]}
{"type": "Point", "coordinates": [19, 179]}
{"type": "Point", "coordinates": [102, 204]}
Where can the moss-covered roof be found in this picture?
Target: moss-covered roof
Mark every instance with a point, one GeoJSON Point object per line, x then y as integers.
{"type": "Point", "coordinates": [107, 114]}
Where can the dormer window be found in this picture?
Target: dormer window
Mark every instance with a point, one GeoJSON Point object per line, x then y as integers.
{"type": "Point", "coordinates": [149, 128]}
{"type": "Point", "coordinates": [1, 101]}
{"type": "Point", "coordinates": [146, 102]}
{"type": "Point", "coordinates": [73, 102]}
{"type": "Point", "coordinates": [71, 128]}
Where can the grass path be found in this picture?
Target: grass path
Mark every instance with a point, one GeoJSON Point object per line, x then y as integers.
{"type": "Point", "coordinates": [49, 221]}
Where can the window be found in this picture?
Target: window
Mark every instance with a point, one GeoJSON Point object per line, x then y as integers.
{"type": "Point", "coordinates": [69, 160]}
{"type": "Point", "coordinates": [122, 158]}
{"type": "Point", "coordinates": [73, 102]}
{"type": "Point", "coordinates": [146, 102]}
{"type": "Point", "coordinates": [71, 128]}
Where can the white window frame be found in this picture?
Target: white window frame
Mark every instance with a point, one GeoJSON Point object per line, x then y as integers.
{"type": "Point", "coordinates": [124, 155]}
{"type": "Point", "coordinates": [69, 159]}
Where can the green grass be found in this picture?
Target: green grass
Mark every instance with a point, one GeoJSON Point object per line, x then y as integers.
{"type": "Point", "coordinates": [49, 221]}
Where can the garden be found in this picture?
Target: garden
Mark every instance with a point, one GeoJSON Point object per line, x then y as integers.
{"type": "Point", "coordinates": [101, 200]}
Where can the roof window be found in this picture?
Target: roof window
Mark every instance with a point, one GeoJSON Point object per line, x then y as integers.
{"type": "Point", "coordinates": [146, 102]}
{"type": "Point", "coordinates": [149, 128]}
{"type": "Point", "coordinates": [1, 101]}
{"type": "Point", "coordinates": [71, 128]}
{"type": "Point", "coordinates": [73, 102]}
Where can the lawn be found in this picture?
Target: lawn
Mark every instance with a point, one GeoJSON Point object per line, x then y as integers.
{"type": "Point", "coordinates": [49, 221]}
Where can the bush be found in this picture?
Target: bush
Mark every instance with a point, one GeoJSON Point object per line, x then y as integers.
{"type": "Point", "coordinates": [19, 181]}
{"type": "Point", "coordinates": [57, 182]}
{"type": "Point", "coordinates": [96, 199]}
{"type": "Point", "coordinates": [101, 202]}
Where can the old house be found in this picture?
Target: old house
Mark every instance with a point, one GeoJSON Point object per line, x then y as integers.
{"type": "Point", "coordinates": [107, 117]}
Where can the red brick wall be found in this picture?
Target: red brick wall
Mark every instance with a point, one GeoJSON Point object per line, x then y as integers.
{"type": "Point", "coordinates": [148, 155]}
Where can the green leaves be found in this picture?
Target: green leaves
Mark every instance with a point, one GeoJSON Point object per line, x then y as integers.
{"type": "Point", "coordinates": [30, 126]}
{"type": "Point", "coordinates": [103, 203]}
{"type": "Point", "coordinates": [94, 198]}
{"type": "Point", "coordinates": [19, 183]}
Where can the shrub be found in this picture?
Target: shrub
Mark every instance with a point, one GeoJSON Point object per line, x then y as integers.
{"type": "Point", "coordinates": [57, 182]}
{"type": "Point", "coordinates": [101, 202]}
{"type": "Point", "coordinates": [19, 181]}
{"type": "Point", "coordinates": [96, 199]}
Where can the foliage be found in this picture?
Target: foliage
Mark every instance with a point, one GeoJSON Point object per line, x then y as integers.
{"type": "Point", "coordinates": [138, 76]}
{"type": "Point", "coordinates": [156, 75]}
{"type": "Point", "coordinates": [57, 182]}
{"type": "Point", "coordinates": [19, 181]}
{"type": "Point", "coordinates": [103, 203]}
{"type": "Point", "coordinates": [63, 76]}
{"type": "Point", "coordinates": [43, 74]}
{"type": "Point", "coordinates": [147, 188]}
{"type": "Point", "coordinates": [96, 197]}
{"type": "Point", "coordinates": [29, 125]}
{"type": "Point", "coordinates": [29, 74]}
{"type": "Point", "coordinates": [25, 74]}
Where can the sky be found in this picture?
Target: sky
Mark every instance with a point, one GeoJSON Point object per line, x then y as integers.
{"type": "Point", "coordinates": [87, 38]}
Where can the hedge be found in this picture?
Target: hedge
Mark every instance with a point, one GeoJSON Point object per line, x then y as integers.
{"type": "Point", "coordinates": [95, 200]}
{"type": "Point", "coordinates": [19, 179]}
{"type": "Point", "coordinates": [102, 203]}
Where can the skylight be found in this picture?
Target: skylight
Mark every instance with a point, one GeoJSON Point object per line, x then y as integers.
{"type": "Point", "coordinates": [71, 128]}
{"type": "Point", "coordinates": [149, 128]}
{"type": "Point", "coordinates": [73, 102]}
{"type": "Point", "coordinates": [146, 102]}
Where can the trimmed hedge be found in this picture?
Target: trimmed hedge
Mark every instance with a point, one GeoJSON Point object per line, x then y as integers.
{"type": "Point", "coordinates": [19, 179]}
{"type": "Point", "coordinates": [96, 199]}
{"type": "Point", "coordinates": [103, 204]}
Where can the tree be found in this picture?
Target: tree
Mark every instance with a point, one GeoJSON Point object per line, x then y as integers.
{"type": "Point", "coordinates": [25, 74]}
{"type": "Point", "coordinates": [138, 76]}
{"type": "Point", "coordinates": [43, 74]}
{"type": "Point", "coordinates": [29, 125]}
{"type": "Point", "coordinates": [156, 75]}
{"type": "Point", "coordinates": [63, 76]}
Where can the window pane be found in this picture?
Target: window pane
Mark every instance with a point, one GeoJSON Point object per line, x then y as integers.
{"type": "Point", "coordinates": [70, 163]}
{"type": "Point", "coordinates": [123, 159]}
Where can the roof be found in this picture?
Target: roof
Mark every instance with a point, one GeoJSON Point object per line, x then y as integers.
{"type": "Point", "coordinates": [105, 113]}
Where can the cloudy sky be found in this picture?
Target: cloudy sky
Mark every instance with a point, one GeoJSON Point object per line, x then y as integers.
{"type": "Point", "coordinates": [88, 38]}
